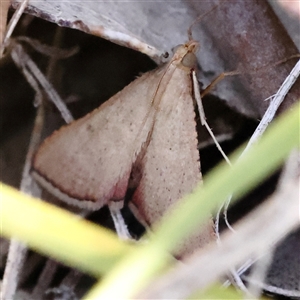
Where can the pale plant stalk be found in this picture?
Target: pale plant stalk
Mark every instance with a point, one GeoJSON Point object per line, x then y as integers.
{"type": "Point", "coordinates": [17, 249]}
{"type": "Point", "coordinates": [12, 24]}
{"type": "Point", "coordinates": [275, 102]}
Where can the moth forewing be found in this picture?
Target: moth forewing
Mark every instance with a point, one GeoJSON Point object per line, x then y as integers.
{"type": "Point", "coordinates": [171, 166]}
{"type": "Point", "coordinates": [88, 162]}
{"type": "Point", "coordinates": [147, 129]}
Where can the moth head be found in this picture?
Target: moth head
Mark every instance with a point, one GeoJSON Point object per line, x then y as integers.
{"type": "Point", "coordinates": [189, 60]}
{"type": "Point", "coordinates": [185, 54]}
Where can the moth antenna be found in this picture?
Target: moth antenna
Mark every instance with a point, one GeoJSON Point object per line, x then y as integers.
{"type": "Point", "coordinates": [268, 66]}
{"type": "Point", "coordinates": [238, 72]}
{"type": "Point", "coordinates": [190, 35]}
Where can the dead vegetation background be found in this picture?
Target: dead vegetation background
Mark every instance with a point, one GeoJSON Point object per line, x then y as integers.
{"type": "Point", "coordinates": [240, 35]}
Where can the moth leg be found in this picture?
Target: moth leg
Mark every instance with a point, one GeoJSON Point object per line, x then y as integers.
{"type": "Point", "coordinates": [198, 99]}
{"type": "Point", "coordinates": [120, 226]}
{"type": "Point", "coordinates": [217, 80]}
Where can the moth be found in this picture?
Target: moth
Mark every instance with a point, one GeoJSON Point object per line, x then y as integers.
{"type": "Point", "coordinates": [143, 137]}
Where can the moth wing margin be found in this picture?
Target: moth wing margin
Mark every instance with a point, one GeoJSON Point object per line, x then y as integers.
{"type": "Point", "coordinates": [88, 162]}
{"type": "Point", "coordinates": [171, 165]}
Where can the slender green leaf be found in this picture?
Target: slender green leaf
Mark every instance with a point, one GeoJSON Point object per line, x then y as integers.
{"type": "Point", "coordinates": [262, 159]}
{"type": "Point", "coordinates": [58, 233]}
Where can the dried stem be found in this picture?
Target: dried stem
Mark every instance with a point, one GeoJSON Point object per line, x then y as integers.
{"type": "Point", "coordinates": [17, 250]}
{"type": "Point", "coordinates": [12, 24]}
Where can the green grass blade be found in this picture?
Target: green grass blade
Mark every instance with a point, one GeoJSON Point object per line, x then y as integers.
{"type": "Point", "coordinates": [261, 160]}
{"type": "Point", "coordinates": [58, 233]}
